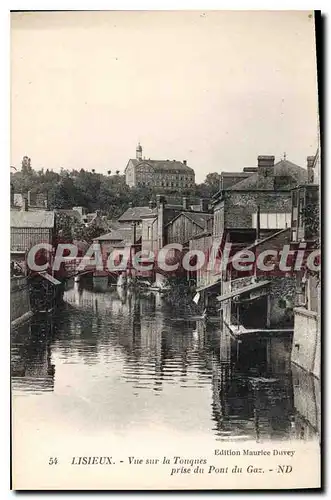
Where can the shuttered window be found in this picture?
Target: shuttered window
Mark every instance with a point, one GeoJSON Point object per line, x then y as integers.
{"type": "Point", "coordinates": [272, 220]}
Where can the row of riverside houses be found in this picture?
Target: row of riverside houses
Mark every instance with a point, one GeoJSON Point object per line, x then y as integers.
{"type": "Point", "coordinates": [265, 210]}
{"type": "Point", "coordinates": [31, 222]}
{"type": "Point", "coordinates": [259, 208]}
{"type": "Point", "coordinates": [150, 228]}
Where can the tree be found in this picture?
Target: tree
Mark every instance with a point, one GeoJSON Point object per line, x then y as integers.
{"type": "Point", "coordinates": [88, 233]}
{"type": "Point", "coordinates": [311, 219]}
{"type": "Point", "coordinates": [26, 179]}
{"type": "Point", "coordinates": [63, 194]}
{"type": "Point", "coordinates": [108, 193]}
{"type": "Point", "coordinates": [26, 165]}
{"type": "Point", "coordinates": [213, 180]}
{"type": "Point", "coordinates": [64, 225]}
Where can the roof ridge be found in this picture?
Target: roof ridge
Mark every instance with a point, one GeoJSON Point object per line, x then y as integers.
{"type": "Point", "coordinates": [282, 160]}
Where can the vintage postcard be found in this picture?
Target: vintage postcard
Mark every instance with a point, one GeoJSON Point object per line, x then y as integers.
{"type": "Point", "coordinates": [165, 250]}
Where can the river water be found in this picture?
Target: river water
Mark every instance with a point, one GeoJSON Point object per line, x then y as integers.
{"type": "Point", "coordinates": [120, 362]}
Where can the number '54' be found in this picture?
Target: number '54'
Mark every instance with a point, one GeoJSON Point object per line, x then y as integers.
{"type": "Point", "coordinates": [52, 461]}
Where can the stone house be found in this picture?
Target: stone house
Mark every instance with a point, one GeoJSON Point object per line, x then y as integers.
{"type": "Point", "coordinates": [28, 228]}
{"type": "Point", "coordinates": [269, 189]}
{"type": "Point", "coordinates": [281, 301]}
{"type": "Point", "coordinates": [265, 189]}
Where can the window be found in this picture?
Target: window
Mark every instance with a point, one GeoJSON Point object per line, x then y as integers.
{"type": "Point", "coordinates": [272, 220]}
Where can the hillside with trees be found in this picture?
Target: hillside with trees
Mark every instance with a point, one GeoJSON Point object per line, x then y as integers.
{"type": "Point", "coordinates": [107, 193]}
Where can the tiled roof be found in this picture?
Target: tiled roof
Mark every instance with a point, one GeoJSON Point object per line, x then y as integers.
{"type": "Point", "coordinates": [123, 243]}
{"type": "Point", "coordinates": [40, 218]}
{"type": "Point", "coordinates": [164, 165]}
{"type": "Point", "coordinates": [199, 218]}
{"type": "Point", "coordinates": [283, 168]}
{"type": "Point", "coordinates": [135, 213]}
{"type": "Point", "coordinates": [122, 234]}
{"type": "Point", "coordinates": [104, 237]}
{"type": "Point", "coordinates": [116, 234]}
{"type": "Point", "coordinates": [113, 223]}
{"type": "Point", "coordinates": [229, 179]}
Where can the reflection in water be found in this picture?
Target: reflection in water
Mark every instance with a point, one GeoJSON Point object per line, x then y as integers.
{"type": "Point", "coordinates": [123, 360]}
{"type": "Point", "coordinates": [253, 394]}
{"type": "Point", "coordinates": [31, 367]}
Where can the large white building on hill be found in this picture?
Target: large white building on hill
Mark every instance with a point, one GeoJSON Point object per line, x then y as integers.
{"type": "Point", "coordinates": [164, 174]}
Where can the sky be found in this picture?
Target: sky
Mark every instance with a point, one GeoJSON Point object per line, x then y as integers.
{"type": "Point", "coordinates": [217, 88]}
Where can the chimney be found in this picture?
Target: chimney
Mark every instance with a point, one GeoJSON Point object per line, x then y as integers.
{"type": "Point", "coordinates": [25, 206]}
{"type": "Point", "coordinates": [250, 170]}
{"type": "Point", "coordinates": [203, 205]}
{"type": "Point", "coordinates": [130, 204]}
{"type": "Point", "coordinates": [265, 166]}
{"type": "Point", "coordinates": [29, 199]}
{"type": "Point", "coordinates": [310, 168]}
{"type": "Point", "coordinates": [185, 162]}
{"type": "Point", "coordinates": [151, 204]}
{"type": "Point", "coordinates": [266, 172]}
{"type": "Point", "coordinates": [159, 200]}
{"type": "Point", "coordinates": [185, 203]}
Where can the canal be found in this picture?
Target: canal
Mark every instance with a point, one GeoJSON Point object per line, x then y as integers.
{"type": "Point", "coordinates": [116, 363]}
